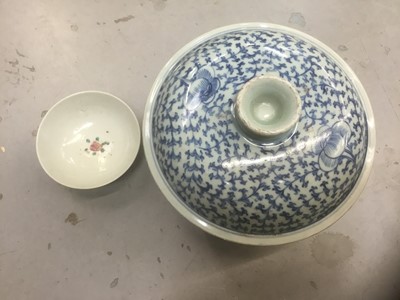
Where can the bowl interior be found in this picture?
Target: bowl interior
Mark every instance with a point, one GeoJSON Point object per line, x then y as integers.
{"type": "Point", "coordinates": [88, 140]}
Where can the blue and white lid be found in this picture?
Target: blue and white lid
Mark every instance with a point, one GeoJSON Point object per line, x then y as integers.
{"type": "Point", "coordinates": [259, 134]}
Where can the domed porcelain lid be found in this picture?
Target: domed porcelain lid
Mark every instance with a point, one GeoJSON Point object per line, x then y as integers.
{"type": "Point", "coordinates": [259, 134]}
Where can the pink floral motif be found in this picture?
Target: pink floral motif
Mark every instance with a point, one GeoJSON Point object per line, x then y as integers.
{"type": "Point", "coordinates": [95, 146]}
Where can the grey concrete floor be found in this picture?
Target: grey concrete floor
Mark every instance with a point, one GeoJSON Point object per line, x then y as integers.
{"type": "Point", "coordinates": [130, 243]}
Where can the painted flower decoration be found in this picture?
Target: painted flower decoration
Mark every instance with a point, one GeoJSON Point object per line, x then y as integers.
{"type": "Point", "coordinates": [332, 145]}
{"type": "Point", "coordinates": [201, 88]}
{"type": "Point", "coordinates": [95, 146]}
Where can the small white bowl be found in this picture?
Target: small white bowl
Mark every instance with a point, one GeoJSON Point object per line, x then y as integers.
{"type": "Point", "coordinates": [88, 140]}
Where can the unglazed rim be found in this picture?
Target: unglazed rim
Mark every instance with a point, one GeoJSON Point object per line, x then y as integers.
{"type": "Point", "coordinates": [129, 160]}
{"type": "Point", "coordinates": [231, 235]}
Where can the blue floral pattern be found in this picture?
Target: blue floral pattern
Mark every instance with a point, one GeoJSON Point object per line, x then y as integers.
{"type": "Point", "coordinates": [241, 186]}
{"type": "Point", "coordinates": [201, 88]}
{"type": "Point", "coordinates": [333, 145]}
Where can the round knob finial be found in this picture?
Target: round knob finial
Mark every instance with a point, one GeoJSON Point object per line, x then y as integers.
{"type": "Point", "coordinates": [268, 108]}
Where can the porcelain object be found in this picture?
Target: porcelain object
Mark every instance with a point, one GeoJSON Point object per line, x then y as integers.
{"type": "Point", "coordinates": [88, 140]}
{"type": "Point", "coordinates": [259, 134]}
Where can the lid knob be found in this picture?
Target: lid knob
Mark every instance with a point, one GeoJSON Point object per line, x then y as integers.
{"type": "Point", "coordinates": [268, 108]}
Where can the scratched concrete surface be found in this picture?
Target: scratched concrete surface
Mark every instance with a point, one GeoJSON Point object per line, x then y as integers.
{"type": "Point", "coordinates": [124, 241]}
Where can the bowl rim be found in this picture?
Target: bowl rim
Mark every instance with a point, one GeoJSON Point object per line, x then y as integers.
{"type": "Point", "coordinates": [230, 235]}
{"type": "Point", "coordinates": [122, 170]}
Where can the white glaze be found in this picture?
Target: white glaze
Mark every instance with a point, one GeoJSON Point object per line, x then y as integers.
{"type": "Point", "coordinates": [72, 125]}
